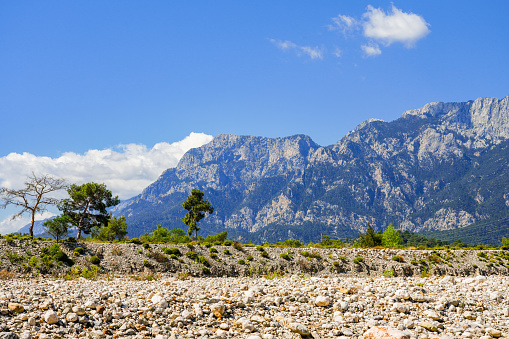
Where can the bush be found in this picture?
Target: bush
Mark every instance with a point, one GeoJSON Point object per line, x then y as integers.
{"type": "Point", "coordinates": [135, 241]}
{"type": "Point", "coordinates": [212, 250]}
{"type": "Point", "coordinates": [95, 260]}
{"type": "Point", "coordinates": [335, 263]}
{"type": "Point", "coordinates": [146, 246]}
{"type": "Point", "coordinates": [205, 270]}
{"type": "Point", "coordinates": [291, 243]}
{"type": "Point", "coordinates": [228, 243]}
{"type": "Point", "coordinates": [358, 260]}
{"type": "Point", "coordinates": [172, 250]}
{"type": "Point", "coordinates": [260, 248]}
{"type": "Point", "coordinates": [249, 258]}
{"type": "Point", "coordinates": [213, 256]}
{"type": "Point", "coordinates": [226, 251]}
{"type": "Point", "coordinates": [238, 246]}
{"type": "Point", "coordinates": [174, 256]}
{"type": "Point", "coordinates": [146, 263]}
{"type": "Point", "coordinates": [207, 244]}
{"type": "Point", "coordinates": [79, 251]}
{"type": "Point", "coordinates": [192, 255]}
{"type": "Point", "coordinates": [397, 258]}
{"type": "Point", "coordinates": [264, 254]}
{"type": "Point", "coordinates": [203, 261]}
{"type": "Point", "coordinates": [241, 262]}
{"type": "Point", "coordinates": [285, 256]}
{"type": "Point", "coordinates": [158, 256]}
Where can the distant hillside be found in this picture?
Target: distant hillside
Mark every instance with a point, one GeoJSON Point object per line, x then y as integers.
{"type": "Point", "coordinates": [440, 167]}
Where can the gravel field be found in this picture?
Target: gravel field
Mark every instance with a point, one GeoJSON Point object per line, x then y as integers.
{"type": "Point", "coordinates": [254, 308]}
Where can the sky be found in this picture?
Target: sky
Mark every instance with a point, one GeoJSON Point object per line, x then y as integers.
{"type": "Point", "coordinates": [118, 91]}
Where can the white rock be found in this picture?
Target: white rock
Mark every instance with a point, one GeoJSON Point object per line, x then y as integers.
{"type": "Point", "coordinates": [432, 314]}
{"type": "Point", "coordinates": [50, 317]}
{"type": "Point", "coordinates": [159, 300]}
{"type": "Point", "coordinates": [71, 317]}
{"type": "Point", "coordinates": [298, 328]}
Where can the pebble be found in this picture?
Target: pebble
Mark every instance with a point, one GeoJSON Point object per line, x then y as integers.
{"type": "Point", "coordinates": [256, 308]}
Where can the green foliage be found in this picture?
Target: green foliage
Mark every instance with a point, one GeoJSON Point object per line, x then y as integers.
{"type": "Point", "coordinates": [205, 270]}
{"type": "Point", "coordinates": [291, 243]}
{"type": "Point", "coordinates": [264, 254]}
{"type": "Point", "coordinates": [228, 243]}
{"type": "Point", "coordinates": [146, 263]}
{"type": "Point", "coordinates": [174, 256]}
{"type": "Point", "coordinates": [370, 238]}
{"type": "Point", "coordinates": [249, 258]}
{"type": "Point", "coordinates": [238, 246]}
{"type": "Point", "coordinates": [389, 273]}
{"type": "Point", "coordinates": [87, 205]}
{"type": "Point", "coordinates": [397, 258]}
{"type": "Point", "coordinates": [57, 227]}
{"type": "Point", "coordinates": [212, 250]}
{"type": "Point", "coordinates": [308, 254]}
{"type": "Point", "coordinates": [95, 260]}
{"type": "Point", "coordinates": [336, 264]}
{"type": "Point", "coordinates": [172, 251]}
{"type": "Point", "coordinates": [219, 237]}
{"type": "Point", "coordinates": [163, 235]}
{"type": "Point", "coordinates": [135, 241]}
{"type": "Point", "coordinates": [115, 230]}
{"type": "Point", "coordinates": [196, 208]}
{"type": "Point", "coordinates": [285, 256]}
{"type": "Point", "coordinates": [260, 248]}
{"type": "Point", "coordinates": [78, 272]}
{"type": "Point", "coordinates": [390, 237]}
{"type": "Point", "coordinates": [192, 255]}
{"type": "Point", "coordinates": [358, 259]}
{"type": "Point", "coordinates": [213, 256]}
{"type": "Point", "coordinates": [241, 262]}
{"type": "Point", "coordinates": [327, 242]}
{"type": "Point", "coordinates": [146, 246]}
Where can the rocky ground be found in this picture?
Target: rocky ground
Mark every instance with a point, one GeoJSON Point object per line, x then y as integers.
{"type": "Point", "coordinates": [255, 308]}
{"type": "Point", "coordinates": [249, 292]}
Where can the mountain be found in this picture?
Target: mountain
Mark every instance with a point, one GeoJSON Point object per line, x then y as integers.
{"type": "Point", "coordinates": [441, 167]}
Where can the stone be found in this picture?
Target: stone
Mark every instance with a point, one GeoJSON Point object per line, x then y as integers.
{"type": "Point", "coordinates": [429, 326]}
{"type": "Point", "coordinates": [432, 315]}
{"type": "Point", "coordinates": [15, 307]}
{"type": "Point", "coordinates": [8, 335]}
{"type": "Point", "coordinates": [322, 301]}
{"type": "Point", "coordinates": [159, 300]}
{"type": "Point", "coordinates": [50, 317]}
{"type": "Point", "coordinates": [384, 332]}
{"type": "Point", "coordinates": [298, 328]}
{"type": "Point", "coordinates": [493, 332]}
{"type": "Point", "coordinates": [71, 317]}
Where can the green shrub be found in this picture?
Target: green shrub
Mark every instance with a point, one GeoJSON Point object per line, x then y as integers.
{"type": "Point", "coordinates": [213, 256]}
{"type": "Point", "coordinates": [146, 246]}
{"type": "Point", "coordinates": [207, 244]}
{"type": "Point", "coordinates": [335, 263]}
{"type": "Point", "coordinates": [475, 266]}
{"type": "Point", "coordinates": [260, 248]}
{"type": "Point", "coordinates": [238, 246]}
{"type": "Point", "coordinates": [343, 258]}
{"type": "Point", "coordinates": [358, 260]}
{"type": "Point", "coordinates": [205, 270]}
{"type": "Point", "coordinates": [423, 262]}
{"type": "Point", "coordinates": [172, 250]}
{"type": "Point", "coordinates": [226, 251]}
{"type": "Point", "coordinates": [203, 261]}
{"type": "Point", "coordinates": [285, 256]}
{"type": "Point", "coordinates": [34, 262]}
{"type": "Point", "coordinates": [158, 256]}
{"type": "Point", "coordinates": [397, 258]}
{"type": "Point", "coordinates": [264, 254]}
{"type": "Point", "coordinates": [213, 250]}
{"type": "Point", "coordinates": [95, 260]}
{"type": "Point", "coordinates": [146, 263]}
{"type": "Point", "coordinates": [413, 261]}
{"type": "Point", "coordinates": [228, 243]}
{"type": "Point", "coordinates": [174, 256]}
{"type": "Point", "coordinates": [389, 273]}
{"type": "Point", "coordinates": [241, 262]}
{"type": "Point", "coordinates": [135, 241]}
{"type": "Point", "coordinates": [192, 255]}
{"type": "Point", "coordinates": [249, 258]}
{"type": "Point", "coordinates": [9, 240]}
{"type": "Point", "coordinates": [79, 251]}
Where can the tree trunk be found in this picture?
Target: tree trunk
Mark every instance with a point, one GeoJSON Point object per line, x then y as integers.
{"type": "Point", "coordinates": [31, 231]}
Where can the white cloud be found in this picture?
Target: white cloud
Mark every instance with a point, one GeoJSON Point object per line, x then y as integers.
{"type": "Point", "coordinates": [8, 225]}
{"type": "Point", "coordinates": [126, 170]}
{"type": "Point", "coordinates": [312, 52]}
{"type": "Point", "coordinates": [344, 24]}
{"type": "Point", "coordinates": [337, 53]}
{"type": "Point", "coordinates": [397, 26]}
{"type": "Point", "coordinates": [371, 49]}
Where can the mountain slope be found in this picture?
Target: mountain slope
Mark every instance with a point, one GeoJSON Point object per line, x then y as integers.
{"type": "Point", "coordinates": [429, 170]}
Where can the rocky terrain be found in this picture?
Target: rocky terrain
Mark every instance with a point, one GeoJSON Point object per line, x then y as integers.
{"type": "Point", "coordinates": [441, 167]}
{"type": "Point", "coordinates": [279, 293]}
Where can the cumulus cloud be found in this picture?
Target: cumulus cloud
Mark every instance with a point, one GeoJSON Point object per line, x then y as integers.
{"type": "Point", "coordinates": [397, 26]}
{"type": "Point", "coordinates": [312, 52]}
{"type": "Point", "coordinates": [126, 170]}
{"type": "Point", "coordinates": [371, 49]}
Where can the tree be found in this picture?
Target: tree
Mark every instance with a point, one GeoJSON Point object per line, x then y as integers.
{"type": "Point", "coordinates": [371, 238]}
{"type": "Point", "coordinates": [391, 237]}
{"type": "Point", "coordinates": [196, 208]}
{"type": "Point", "coordinates": [58, 227]}
{"type": "Point", "coordinates": [116, 229]}
{"type": "Point", "coordinates": [87, 205]}
{"type": "Point", "coordinates": [33, 198]}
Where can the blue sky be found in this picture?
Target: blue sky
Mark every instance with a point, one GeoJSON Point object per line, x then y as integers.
{"type": "Point", "coordinates": [95, 86]}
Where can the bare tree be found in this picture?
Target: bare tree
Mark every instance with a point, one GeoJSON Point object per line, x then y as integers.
{"type": "Point", "coordinates": [33, 197]}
